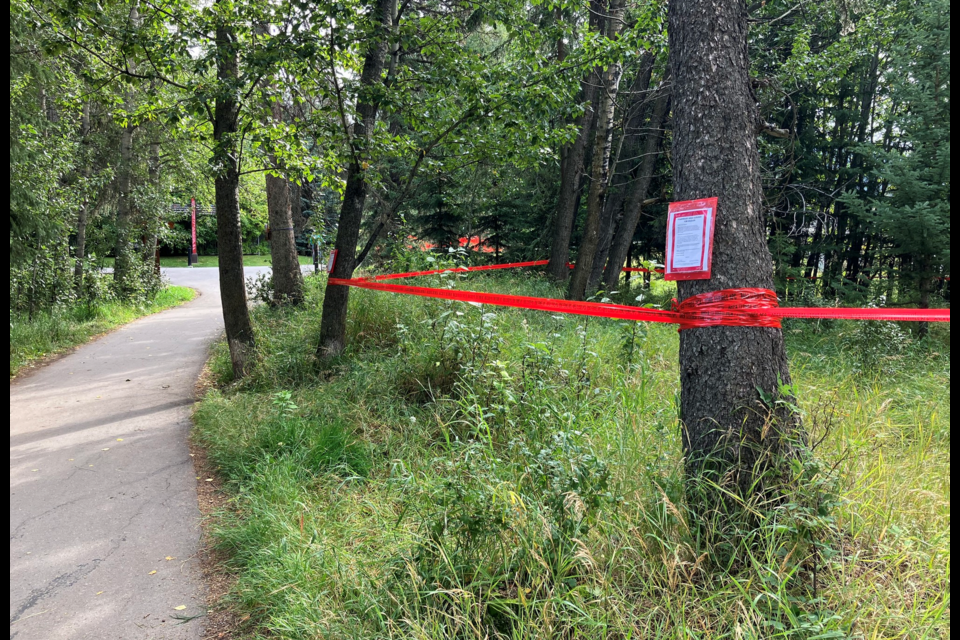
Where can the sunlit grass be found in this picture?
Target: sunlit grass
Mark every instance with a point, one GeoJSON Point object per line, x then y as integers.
{"type": "Point", "coordinates": [440, 527]}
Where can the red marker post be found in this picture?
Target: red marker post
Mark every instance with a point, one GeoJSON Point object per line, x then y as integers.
{"type": "Point", "coordinates": [690, 227]}
{"type": "Point", "coordinates": [192, 257]}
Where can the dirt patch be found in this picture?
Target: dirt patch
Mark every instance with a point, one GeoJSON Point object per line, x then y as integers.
{"type": "Point", "coordinates": [222, 622]}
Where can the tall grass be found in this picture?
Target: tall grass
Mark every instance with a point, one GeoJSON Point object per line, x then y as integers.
{"type": "Point", "coordinates": [52, 332]}
{"type": "Point", "coordinates": [468, 472]}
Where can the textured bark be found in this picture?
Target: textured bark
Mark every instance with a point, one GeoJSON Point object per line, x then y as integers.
{"type": "Point", "coordinates": [233, 294]}
{"type": "Point", "coordinates": [600, 171]}
{"type": "Point", "coordinates": [333, 322]}
{"type": "Point", "coordinates": [623, 237]}
{"type": "Point", "coordinates": [571, 168]}
{"type": "Point", "coordinates": [715, 154]}
{"type": "Point", "coordinates": [287, 279]}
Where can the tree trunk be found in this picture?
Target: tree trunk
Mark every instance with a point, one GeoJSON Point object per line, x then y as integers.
{"type": "Point", "coordinates": [82, 212]}
{"type": "Point", "coordinates": [634, 114]}
{"type": "Point", "coordinates": [122, 254]}
{"type": "Point", "coordinates": [600, 173]}
{"type": "Point", "coordinates": [571, 168]}
{"type": "Point", "coordinates": [287, 279]}
{"type": "Point", "coordinates": [233, 294]}
{"type": "Point", "coordinates": [150, 237]}
{"type": "Point", "coordinates": [333, 322]}
{"type": "Point", "coordinates": [634, 205]}
{"type": "Point", "coordinates": [725, 426]}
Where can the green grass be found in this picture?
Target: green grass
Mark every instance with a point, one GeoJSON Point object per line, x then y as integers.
{"type": "Point", "coordinates": [213, 261]}
{"type": "Point", "coordinates": [51, 333]}
{"type": "Point", "coordinates": [466, 472]}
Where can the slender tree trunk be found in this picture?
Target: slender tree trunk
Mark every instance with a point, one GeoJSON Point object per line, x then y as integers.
{"type": "Point", "coordinates": [600, 178]}
{"type": "Point", "coordinates": [571, 168]}
{"type": "Point", "coordinates": [82, 213]}
{"type": "Point", "coordinates": [233, 294]}
{"type": "Point", "coordinates": [725, 426]}
{"type": "Point", "coordinates": [153, 223]}
{"type": "Point", "coordinates": [634, 114]}
{"type": "Point", "coordinates": [121, 262]}
{"type": "Point", "coordinates": [333, 322]}
{"type": "Point", "coordinates": [287, 279]}
{"type": "Point", "coordinates": [634, 206]}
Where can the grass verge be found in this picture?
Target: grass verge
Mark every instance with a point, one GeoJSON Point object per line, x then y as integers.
{"type": "Point", "coordinates": [49, 334]}
{"type": "Point", "coordinates": [469, 472]}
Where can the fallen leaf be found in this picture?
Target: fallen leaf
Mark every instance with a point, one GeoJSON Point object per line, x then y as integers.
{"type": "Point", "coordinates": [180, 608]}
{"type": "Point", "coordinates": [152, 572]}
{"type": "Point", "coordinates": [70, 459]}
{"type": "Point", "coordinates": [169, 558]}
{"type": "Point", "coordinates": [99, 592]}
{"type": "Point", "coordinates": [119, 439]}
{"type": "Point", "coordinates": [208, 479]}
{"type": "Point", "coordinates": [106, 449]}
{"type": "Point", "coordinates": [34, 469]}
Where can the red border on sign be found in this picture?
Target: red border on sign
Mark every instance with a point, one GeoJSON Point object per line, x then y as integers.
{"type": "Point", "coordinates": [707, 208]}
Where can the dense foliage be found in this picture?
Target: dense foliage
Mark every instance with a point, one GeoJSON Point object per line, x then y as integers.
{"type": "Point", "coordinates": [480, 108]}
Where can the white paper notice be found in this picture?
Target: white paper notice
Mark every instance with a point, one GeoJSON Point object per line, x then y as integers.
{"type": "Point", "coordinates": [688, 241]}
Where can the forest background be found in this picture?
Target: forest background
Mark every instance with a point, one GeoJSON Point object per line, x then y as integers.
{"type": "Point", "coordinates": [428, 471]}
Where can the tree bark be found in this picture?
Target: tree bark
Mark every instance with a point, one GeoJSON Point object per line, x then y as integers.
{"type": "Point", "coordinates": [333, 322]}
{"type": "Point", "coordinates": [287, 279]}
{"type": "Point", "coordinates": [233, 294]}
{"type": "Point", "coordinates": [571, 169]}
{"type": "Point", "coordinates": [726, 429]}
{"type": "Point", "coordinates": [600, 172]}
{"type": "Point", "coordinates": [634, 205]}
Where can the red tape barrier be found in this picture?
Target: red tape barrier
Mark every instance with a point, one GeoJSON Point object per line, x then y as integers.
{"type": "Point", "coordinates": [746, 307]}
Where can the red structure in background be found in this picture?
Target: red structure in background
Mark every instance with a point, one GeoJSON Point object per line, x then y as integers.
{"type": "Point", "coordinates": [474, 243]}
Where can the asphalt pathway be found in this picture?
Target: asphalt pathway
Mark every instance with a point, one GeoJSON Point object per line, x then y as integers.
{"type": "Point", "coordinates": [104, 524]}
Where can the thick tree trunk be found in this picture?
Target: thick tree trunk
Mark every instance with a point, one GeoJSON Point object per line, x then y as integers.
{"type": "Point", "coordinates": [634, 205]}
{"type": "Point", "coordinates": [333, 322]}
{"type": "Point", "coordinates": [571, 169]}
{"type": "Point", "coordinates": [287, 279]}
{"type": "Point", "coordinates": [600, 172]}
{"type": "Point", "coordinates": [726, 429]}
{"type": "Point", "coordinates": [233, 294]}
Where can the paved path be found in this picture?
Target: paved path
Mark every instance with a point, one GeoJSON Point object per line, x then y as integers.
{"type": "Point", "coordinates": [104, 523]}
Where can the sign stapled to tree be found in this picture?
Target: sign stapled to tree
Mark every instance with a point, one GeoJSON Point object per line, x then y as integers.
{"type": "Point", "coordinates": [690, 227]}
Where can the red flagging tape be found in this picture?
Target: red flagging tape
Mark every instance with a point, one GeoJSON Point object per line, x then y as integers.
{"type": "Point", "coordinates": [599, 309]}
{"type": "Point", "coordinates": [745, 307]}
{"type": "Point", "coordinates": [729, 308]}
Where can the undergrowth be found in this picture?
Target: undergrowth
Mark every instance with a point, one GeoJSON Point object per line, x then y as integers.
{"type": "Point", "coordinates": [471, 472]}
{"type": "Point", "coordinates": [50, 332]}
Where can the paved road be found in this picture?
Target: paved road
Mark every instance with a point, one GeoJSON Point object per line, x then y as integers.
{"type": "Point", "coordinates": [104, 523]}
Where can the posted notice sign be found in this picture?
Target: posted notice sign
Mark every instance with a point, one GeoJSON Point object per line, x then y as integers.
{"type": "Point", "coordinates": [690, 239]}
